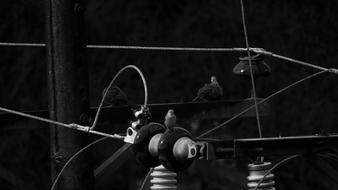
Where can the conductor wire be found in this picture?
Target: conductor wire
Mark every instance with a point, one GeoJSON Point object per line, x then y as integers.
{"type": "Point", "coordinates": [110, 85]}
{"type": "Point", "coordinates": [275, 166]}
{"type": "Point", "coordinates": [71, 125]}
{"type": "Point", "coordinates": [262, 101]}
{"type": "Point", "coordinates": [72, 158]}
{"type": "Point", "coordinates": [251, 72]}
{"type": "Point", "coordinates": [165, 48]}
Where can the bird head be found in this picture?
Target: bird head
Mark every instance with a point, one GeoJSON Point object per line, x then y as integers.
{"type": "Point", "coordinates": [170, 112]}
{"type": "Point", "coordinates": [213, 79]}
{"type": "Point", "coordinates": [170, 119]}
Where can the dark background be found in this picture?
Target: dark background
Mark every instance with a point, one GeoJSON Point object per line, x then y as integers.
{"type": "Point", "coordinates": [306, 30]}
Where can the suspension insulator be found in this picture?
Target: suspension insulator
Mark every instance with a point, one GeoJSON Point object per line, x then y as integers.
{"type": "Point", "coordinates": [163, 179]}
{"type": "Point", "coordinates": [256, 173]}
{"type": "Point", "coordinates": [175, 149]}
{"type": "Point", "coordinates": [259, 66]}
{"type": "Point", "coordinates": [142, 141]}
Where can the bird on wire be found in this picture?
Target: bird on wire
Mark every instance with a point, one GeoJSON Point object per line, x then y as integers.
{"type": "Point", "coordinates": [115, 97]}
{"type": "Point", "coordinates": [170, 120]}
{"type": "Point", "coordinates": [210, 91]}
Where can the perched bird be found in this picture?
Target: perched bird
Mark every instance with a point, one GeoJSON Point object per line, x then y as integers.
{"type": "Point", "coordinates": [211, 91]}
{"type": "Point", "coordinates": [114, 97]}
{"type": "Point", "coordinates": [170, 120]}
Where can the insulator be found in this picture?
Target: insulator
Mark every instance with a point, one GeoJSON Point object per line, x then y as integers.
{"type": "Point", "coordinates": [163, 179]}
{"type": "Point", "coordinates": [184, 148]}
{"type": "Point", "coordinates": [145, 138]}
{"type": "Point", "coordinates": [259, 66]}
{"type": "Point", "coordinates": [256, 173]}
{"type": "Point", "coordinates": [176, 157]}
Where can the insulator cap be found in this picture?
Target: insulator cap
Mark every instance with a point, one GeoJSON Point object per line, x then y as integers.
{"type": "Point", "coordinates": [153, 144]}
{"type": "Point", "coordinates": [166, 150]}
{"type": "Point", "coordinates": [259, 67]}
{"type": "Point", "coordinates": [142, 141]}
{"type": "Point", "coordinates": [184, 148]}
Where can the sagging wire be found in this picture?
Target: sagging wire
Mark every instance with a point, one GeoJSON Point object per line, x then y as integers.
{"type": "Point", "coordinates": [262, 101]}
{"type": "Point", "coordinates": [87, 128]}
{"type": "Point", "coordinates": [145, 87]}
{"type": "Point", "coordinates": [71, 125]}
{"type": "Point", "coordinates": [287, 159]}
{"type": "Point", "coordinates": [275, 166]}
{"type": "Point", "coordinates": [72, 158]}
{"type": "Point", "coordinates": [146, 179]}
{"type": "Point", "coordinates": [98, 113]}
{"type": "Point", "coordinates": [253, 86]}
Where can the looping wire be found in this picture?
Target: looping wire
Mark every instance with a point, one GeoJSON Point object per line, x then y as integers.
{"type": "Point", "coordinates": [145, 103]}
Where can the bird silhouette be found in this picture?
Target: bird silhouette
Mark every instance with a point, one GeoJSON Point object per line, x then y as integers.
{"type": "Point", "coordinates": [209, 92]}
{"type": "Point", "coordinates": [114, 97]}
{"type": "Point", "coordinates": [170, 120]}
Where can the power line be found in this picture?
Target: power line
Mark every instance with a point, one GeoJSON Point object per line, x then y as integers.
{"type": "Point", "coordinates": [144, 82]}
{"type": "Point", "coordinates": [72, 158]}
{"type": "Point", "coordinates": [71, 125]}
{"type": "Point", "coordinates": [198, 49]}
{"type": "Point", "coordinates": [260, 102]}
{"type": "Point", "coordinates": [275, 166]}
{"type": "Point", "coordinates": [254, 96]}
{"type": "Point", "coordinates": [159, 48]}
{"type": "Point", "coordinates": [18, 44]}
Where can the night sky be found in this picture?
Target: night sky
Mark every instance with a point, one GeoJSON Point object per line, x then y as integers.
{"type": "Point", "coordinates": [304, 30]}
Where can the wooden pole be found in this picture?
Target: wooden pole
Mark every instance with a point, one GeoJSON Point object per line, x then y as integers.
{"type": "Point", "coordinates": [68, 92]}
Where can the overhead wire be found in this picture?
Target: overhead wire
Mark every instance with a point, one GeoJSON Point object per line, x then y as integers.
{"type": "Point", "coordinates": [98, 113]}
{"type": "Point", "coordinates": [131, 47]}
{"type": "Point", "coordinates": [261, 101]}
{"type": "Point", "coordinates": [167, 48]}
{"type": "Point", "coordinates": [72, 158]}
{"type": "Point", "coordinates": [247, 49]}
{"type": "Point", "coordinates": [146, 178]}
{"type": "Point", "coordinates": [285, 160]}
{"type": "Point", "coordinates": [262, 51]}
{"type": "Point", "coordinates": [275, 166]}
{"type": "Point", "coordinates": [71, 125]}
{"type": "Point", "coordinates": [87, 128]}
{"type": "Point", "coordinates": [145, 87]}
{"type": "Point", "coordinates": [253, 86]}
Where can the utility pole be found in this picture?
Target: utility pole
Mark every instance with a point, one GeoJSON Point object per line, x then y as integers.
{"type": "Point", "coordinates": [68, 92]}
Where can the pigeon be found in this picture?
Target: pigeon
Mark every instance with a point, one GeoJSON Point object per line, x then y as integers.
{"type": "Point", "coordinates": [170, 120]}
{"type": "Point", "coordinates": [114, 97]}
{"type": "Point", "coordinates": [209, 92]}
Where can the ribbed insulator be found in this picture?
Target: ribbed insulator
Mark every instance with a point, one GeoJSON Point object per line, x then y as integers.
{"type": "Point", "coordinates": [256, 173]}
{"type": "Point", "coordinates": [163, 179]}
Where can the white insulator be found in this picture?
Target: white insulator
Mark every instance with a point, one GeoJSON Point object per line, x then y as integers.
{"type": "Point", "coordinates": [256, 173]}
{"type": "Point", "coordinates": [163, 179]}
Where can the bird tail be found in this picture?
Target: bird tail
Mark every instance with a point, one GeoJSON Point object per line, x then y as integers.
{"type": "Point", "coordinates": [196, 99]}
{"type": "Point", "coordinates": [199, 99]}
